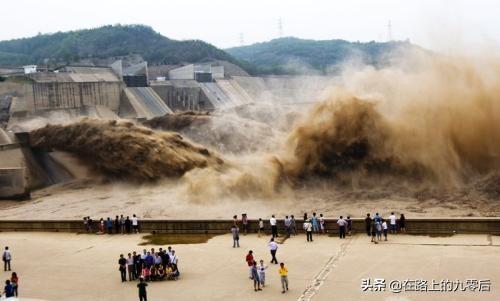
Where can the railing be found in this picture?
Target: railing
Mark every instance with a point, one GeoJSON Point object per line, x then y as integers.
{"type": "Point", "coordinates": [413, 226]}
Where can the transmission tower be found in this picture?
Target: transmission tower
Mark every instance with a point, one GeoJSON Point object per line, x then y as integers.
{"type": "Point", "coordinates": [280, 28]}
{"type": "Point", "coordinates": [242, 40]}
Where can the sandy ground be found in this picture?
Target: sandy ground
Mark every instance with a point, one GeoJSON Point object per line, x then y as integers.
{"type": "Point", "coordinates": [164, 200]}
{"type": "Point", "coordinates": [327, 269]}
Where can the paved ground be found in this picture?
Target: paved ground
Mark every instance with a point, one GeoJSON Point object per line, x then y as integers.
{"type": "Point", "coordinates": [57, 266]}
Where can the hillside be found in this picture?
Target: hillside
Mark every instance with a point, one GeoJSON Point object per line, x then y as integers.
{"type": "Point", "coordinates": [105, 42]}
{"type": "Point", "coordinates": [292, 55]}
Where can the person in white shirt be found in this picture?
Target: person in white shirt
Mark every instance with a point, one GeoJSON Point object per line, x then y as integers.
{"type": "Point", "coordinates": [130, 267]}
{"type": "Point", "coordinates": [273, 247]}
{"type": "Point", "coordinates": [308, 228]}
{"type": "Point", "coordinates": [342, 224]}
{"type": "Point", "coordinates": [6, 257]}
{"type": "Point", "coordinates": [274, 227]}
{"type": "Point", "coordinates": [173, 258]}
{"type": "Point", "coordinates": [135, 224]}
{"type": "Point", "coordinates": [392, 218]}
{"type": "Point", "coordinates": [384, 228]}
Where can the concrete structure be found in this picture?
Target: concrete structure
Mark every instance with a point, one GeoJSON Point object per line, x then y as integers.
{"type": "Point", "coordinates": [29, 69]}
{"type": "Point", "coordinates": [189, 71]}
{"type": "Point", "coordinates": [13, 175]}
{"type": "Point", "coordinates": [424, 226]}
{"type": "Point", "coordinates": [142, 102]}
{"type": "Point", "coordinates": [182, 95]}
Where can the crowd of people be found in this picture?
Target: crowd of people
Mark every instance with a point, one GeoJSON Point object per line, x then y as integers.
{"type": "Point", "coordinates": [11, 288]}
{"type": "Point", "coordinates": [317, 225]}
{"type": "Point", "coordinates": [257, 272]}
{"type": "Point", "coordinates": [377, 226]}
{"type": "Point", "coordinates": [149, 265]}
{"type": "Point", "coordinates": [120, 225]}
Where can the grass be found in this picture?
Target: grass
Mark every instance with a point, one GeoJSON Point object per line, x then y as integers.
{"type": "Point", "coordinates": [175, 239]}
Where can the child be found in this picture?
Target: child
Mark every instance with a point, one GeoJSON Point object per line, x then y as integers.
{"type": "Point", "coordinates": [262, 273]}
{"type": "Point", "coordinates": [15, 283]}
{"type": "Point", "coordinates": [146, 273]}
{"type": "Point", "coordinates": [9, 289]}
{"type": "Point", "coordinates": [384, 228]}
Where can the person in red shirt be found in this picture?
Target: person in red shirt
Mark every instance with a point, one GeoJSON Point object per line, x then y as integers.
{"type": "Point", "coordinates": [249, 260]}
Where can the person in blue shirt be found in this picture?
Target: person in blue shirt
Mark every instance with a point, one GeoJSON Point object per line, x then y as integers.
{"type": "Point", "coordinates": [377, 218]}
{"type": "Point", "coordinates": [149, 260]}
{"type": "Point", "coordinates": [109, 225]}
{"type": "Point", "coordinates": [9, 289]}
{"type": "Point", "coordinates": [314, 221]}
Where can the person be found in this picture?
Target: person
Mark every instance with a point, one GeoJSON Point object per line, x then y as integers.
{"type": "Point", "coordinates": [308, 230]}
{"type": "Point", "coordinates": [137, 264]}
{"type": "Point", "coordinates": [109, 225]}
{"type": "Point", "coordinates": [273, 247]}
{"type": "Point", "coordinates": [288, 226]}
{"type": "Point", "coordinates": [117, 225]}
{"type": "Point", "coordinates": [135, 224]}
{"type": "Point", "coordinates": [305, 216]}
{"type": "Point", "coordinates": [255, 277]}
{"type": "Point", "coordinates": [378, 228]}
{"type": "Point", "coordinates": [384, 228]}
{"type": "Point", "coordinates": [101, 226]}
{"type": "Point", "coordinates": [7, 258]}
{"type": "Point", "coordinates": [244, 222]}
{"type": "Point", "coordinates": [160, 272]}
{"type": "Point", "coordinates": [122, 224]}
{"type": "Point", "coordinates": [262, 273]}
{"type": "Point", "coordinates": [322, 223]}
{"type": "Point", "coordinates": [274, 227]}
{"type": "Point", "coordinates": [128, 225]}
{"type": "Point", "coordinates": [86, 224]}
{"type": "Point", "coordinates": [236, 236]}
{"type": "Point", "coordinates": [342, 224]}
{"type": "Point", "coordinates": [349, 225]}
{"type": "Point", "coordinates": [373, 231]}
{"type": "Point", "coordinates": [235, 220]}
{"type": "Point", "coordinates": [392, 219]}
{"type": "Point", "coordinates": [261, 226]}
{"type": "Point", "coordinates": [173, 258]}
{"type": "Point", "coordinates": [143, 296]}
{"type": "Point", "coordinates": [130, 267]}
{"type": "Point", "coordinates": [294, 225]}
{"type": "Point", "coordinates": [402, 223]}
{"type": "Point", "coordinates": [123, 268]}
{"type": "Point", "coordinates": [249, 260]}
{"type": "Point", "coordinates": [89, 223]}
{"type": "Point", "coordinates": [149, 260]}
{"type": "Point", "coordinates": [15, 284]}
{"type": "Point", "coordinates": [284, 277]}
{"type": "Point", "coordinates": [314, 221]}
{"type": "Point", "coordinates": [377, 218]}
{"type": "Point", "coordinates": [146, 273]}
{"type": "Point", "coordinates": [8, 289]}
{"type": "Point", "coordinates": [368, 224]}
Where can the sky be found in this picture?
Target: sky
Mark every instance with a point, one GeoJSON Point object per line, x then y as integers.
{"type": "Point", "coordinates": [439, 25]}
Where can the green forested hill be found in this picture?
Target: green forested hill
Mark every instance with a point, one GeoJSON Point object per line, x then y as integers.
{"type": "Point", "coordinates": [293, 55]}
{"type": "Point", "coordinates": [105, 42]}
